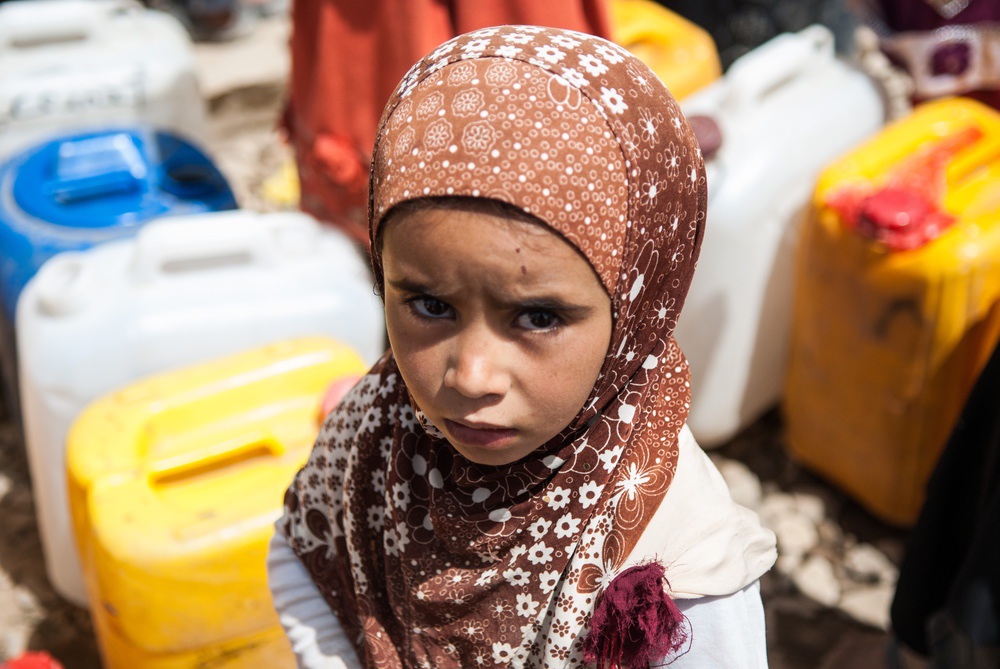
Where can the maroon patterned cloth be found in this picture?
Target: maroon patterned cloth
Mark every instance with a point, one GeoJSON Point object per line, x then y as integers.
{"type": "Point", "coordinates": [429, 559]}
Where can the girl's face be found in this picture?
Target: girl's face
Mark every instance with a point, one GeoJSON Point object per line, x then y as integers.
{"type": "Point", "coordinates": [499, 328]}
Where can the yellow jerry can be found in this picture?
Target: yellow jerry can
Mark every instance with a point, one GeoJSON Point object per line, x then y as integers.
{"type": "Point", "coordinates": [896, 308]}
{"type": "Point", "coordinates": [682, 54]}
{"type": "Point", "coordinates": [174, 483]}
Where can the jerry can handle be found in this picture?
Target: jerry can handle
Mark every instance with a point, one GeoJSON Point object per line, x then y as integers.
{"type": "Point", "coordinates": [215, 458]}
{"type": "Point", "coordinates": [64, 285]}
{"type": "Point", "coordinates": [776, 62]}
{"type": "Point", "coordinates": [36, 24]}
{"type": "Point", "coordinates": [178, 246]}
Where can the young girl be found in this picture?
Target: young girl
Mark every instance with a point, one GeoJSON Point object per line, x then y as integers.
{"type": "Point", "coordinates": [513, 484]}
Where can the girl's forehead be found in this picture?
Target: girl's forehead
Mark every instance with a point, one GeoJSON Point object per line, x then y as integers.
{"type": "Point", "coordinates": [458, 247]}
{"type": "Point", "coordinates": [509, 131]}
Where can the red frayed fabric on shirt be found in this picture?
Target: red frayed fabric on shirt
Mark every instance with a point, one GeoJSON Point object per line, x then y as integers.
{"type": "Point", "coordinates": [635, 622]}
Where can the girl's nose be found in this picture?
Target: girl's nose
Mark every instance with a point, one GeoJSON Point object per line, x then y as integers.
{"type": "Point", "coordinates": [477, 367]}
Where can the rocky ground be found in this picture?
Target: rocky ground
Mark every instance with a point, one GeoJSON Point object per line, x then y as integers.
{"type": "Point", "coordinates": [826, 601]}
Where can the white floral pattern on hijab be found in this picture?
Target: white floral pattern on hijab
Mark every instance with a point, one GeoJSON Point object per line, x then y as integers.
{"type": "Point", "coordinates": [430, 559]}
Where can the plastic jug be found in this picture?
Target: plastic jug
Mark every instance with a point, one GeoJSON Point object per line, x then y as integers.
{"type": "Point", "coordinates": [780, 114]}
{"type": "Point", "coordinates": [183, 290]}
{"type": "Point", "coordinates": [74, 64]}
{"type": "Point", "coordinates": [681, 54]}
{"type": "Point", "coordinates": [83, 189]}
{"type": "Point", "coordinates": [86, 188]}
{"type": "Point", "coordinates": [887, 343]}
{"type": "Point", "coordinates": [175, 482]}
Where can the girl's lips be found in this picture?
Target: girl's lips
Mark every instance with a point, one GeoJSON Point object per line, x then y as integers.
{"type": "Point", "coordinates": [482, 437]}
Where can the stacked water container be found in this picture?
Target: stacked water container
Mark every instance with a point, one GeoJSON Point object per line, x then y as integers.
{"type": "Point", "coordinates": [897, 305]}
{"type": "Point", "coordinates": [99, 119]}
{"type": "Point", "coordinates": [84, 189]}
{"type": "Point", "coordinates": [119, 264]}
{"type": "Point", "coordinates": [779, 115]}
{"type": "Point", "coordinates": [88, 63]}
{"type": "Point", "coordinates": [175, 482]}
{"type": "Point", "coordinates": [183, 290]}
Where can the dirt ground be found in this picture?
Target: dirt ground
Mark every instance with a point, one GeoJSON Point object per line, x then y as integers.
{"type": "Point", "coordinates": [801, 633]}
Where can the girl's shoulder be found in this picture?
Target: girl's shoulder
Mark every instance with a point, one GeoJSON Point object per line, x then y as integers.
{"type": "Point", "coordinates": [709, 544]}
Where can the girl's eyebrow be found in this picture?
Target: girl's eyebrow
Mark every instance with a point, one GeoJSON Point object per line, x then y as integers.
{"type": "Point", "coordinates": [542, 303]}
{"type": "Point", "coordinates": [408, 285]}
{"type": "Point", "coordinates": [548, 303]}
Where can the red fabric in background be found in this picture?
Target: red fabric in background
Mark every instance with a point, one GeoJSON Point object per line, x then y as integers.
{"type": "Point", "coordinates": [347, 57]}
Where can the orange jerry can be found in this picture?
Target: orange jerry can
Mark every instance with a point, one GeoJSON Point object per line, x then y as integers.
{"type": "Point", "coordinates": [680, 53]}
{"type": "Point", "coordinates": [896, 308]}
{"type": "Point", "coordinates": [174, 485]}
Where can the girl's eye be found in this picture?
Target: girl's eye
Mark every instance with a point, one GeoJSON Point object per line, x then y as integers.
{"type": "Point", "coordinates": [538, 320]}
{"type": "Point", "coordinates": [428, 307]}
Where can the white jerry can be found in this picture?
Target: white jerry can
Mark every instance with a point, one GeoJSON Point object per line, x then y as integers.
{"type": "Point", "coordinates": [780, 114]}
{"type": "Point", "coordinates": [77, 64]}
{"type": "Point", "coordinates": [186, 289]}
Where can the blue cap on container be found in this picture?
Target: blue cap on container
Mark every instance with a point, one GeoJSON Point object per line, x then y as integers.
{"type": "Point", "coordinates": [83, 189]}
{"type": "Point", "coordinates": [116, 178]}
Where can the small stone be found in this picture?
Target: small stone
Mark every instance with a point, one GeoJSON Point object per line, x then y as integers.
{"type": "Point", "coordinates": [787, 564]}
{"type": "Point", "coordinates": [796, 534]}
{"type": "Point", "coordinates": [865, 39]}
{"type": "Point", "coordinates": [830, 533]}
{"type": "Point", "coordinates": [811, 506]}
{"type": "Point", "coordinates": [744, 486]}
{"type": "Point", "coordinates": [24, 600]}
{"type": "Point", "coordinates": [15, 641]}
{"type": "Point", "coordinates": [866, 564]}
{"type": "Point", "coordinates": [869, 605]}
{"type": "Point", "coordinates": [774, 506]}
{"type": "Point", "coordinates": [876, 65]}
{"type": "Point", "coordinates": [899, 86]}
{"type": "Point", "coordinates": [816, 580]}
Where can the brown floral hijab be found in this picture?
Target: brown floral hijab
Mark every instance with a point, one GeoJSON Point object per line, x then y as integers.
{"type": "Point", "coordinates": [430, 559]}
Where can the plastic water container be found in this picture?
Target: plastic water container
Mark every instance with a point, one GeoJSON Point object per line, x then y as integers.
{"type": "Point", "coordinates": [780, 114]}
{"type": "Point", "coordinates": [886, 344]}
{"type": "Point", "coordinates": [83, 189]}
{"type": "Point", "coordinates": [682, 54]}
{"type": "Point", "coordinates": [184, 290]}
{"type": "Point", "coordinates": [86, 188]}
{"type": "Point", "coordinates": [175, 483]}
{"type": "Point", "coordinates": [71, 64]}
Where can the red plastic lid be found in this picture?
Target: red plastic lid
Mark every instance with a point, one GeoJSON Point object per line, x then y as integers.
{"type": "Point", "coordinates": [32, 660]}
{"type": "Point", "coordinates": [905, 213]}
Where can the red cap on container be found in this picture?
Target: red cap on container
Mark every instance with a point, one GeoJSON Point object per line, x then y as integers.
{"type": "Point", "coordinates": [905, 213]}
{"type": "Point", "coordinates": [32, 660]}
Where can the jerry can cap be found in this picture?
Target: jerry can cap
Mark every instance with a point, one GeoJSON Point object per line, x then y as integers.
{"type": "Point", "coordinates": [115, 178]}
